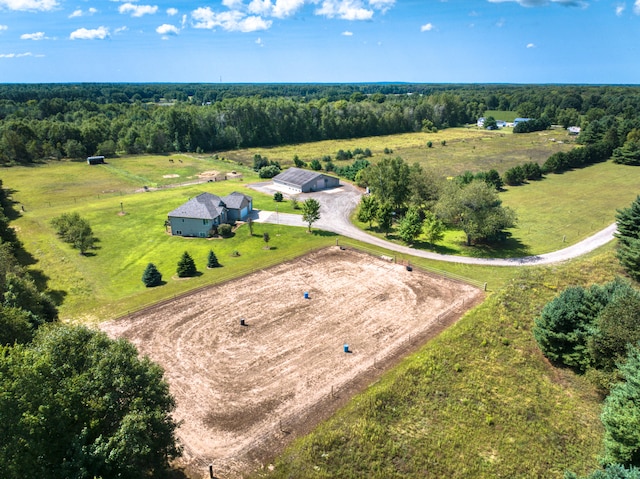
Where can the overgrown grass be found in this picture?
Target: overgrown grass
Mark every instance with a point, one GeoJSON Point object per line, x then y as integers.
{"type": "Point", "coordinates": [466, 149]}
{"type": "Point", "coordinates": [477, 401]}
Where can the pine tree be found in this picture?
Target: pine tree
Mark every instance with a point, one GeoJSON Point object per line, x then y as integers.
{"type": "Point", "coordinates": [212, 260]}
{"type": "Point", "coordinates": [151, 276]}
{"type": "Point", "coordinates": [628, 235]}
{"type": "Point", "coordinates": [186, 266]}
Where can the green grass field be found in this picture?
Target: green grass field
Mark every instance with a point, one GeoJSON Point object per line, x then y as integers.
{"type": "Point", "coordinates": [478, 401]}
{"type": "Point", "coordinates": [501, 114]}
{"type": "Point", "coordinates": [466, 149]}
{"type": "Point", "coordinates": [553, 213]}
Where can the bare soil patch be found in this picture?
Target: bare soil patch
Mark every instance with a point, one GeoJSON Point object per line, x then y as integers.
{"type": "Point", "coordinates": [243, 392]}
{"type": "Point", "coordinates": [171, 176]}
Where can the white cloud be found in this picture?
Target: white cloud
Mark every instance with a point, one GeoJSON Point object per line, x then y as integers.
{"type": "Point", "coordinates": [166, 29]}
{"type": "Point", "coordinates": [18, 55]}
{"type": "Point", "coordinates": [260, 42]}
{"type": "Point", "coordinates": [531, 45]}
{"type": "Point", "coordinates": [33, 36]}
{"type": "Point", "coordinates": [501, 23]}
{"type": "Point", "coordinates": [427, 27]}
{"type": "Point", "coordinates": [80, 13]}
{"type": "Point", "coordinates": [636, 7]}
{"type": "Point", "coordinates": [120, 30]}
{"type": "Point", "coordinates": [172, 11]}
{"type": "Point", "coordinates": [382, 5]}
{"type": "Point", "coordinates": [347, 34]}
{"type": "Point", "coordinates": [279, 9]}
{"type": "Point", "coordinates": [29, 5]}
{"type": "Point", "coordinates": [233, 20]}
{"type": "Point", "coordinates": [345, 10]}
{"type": "Point", "coordinates": [3, 27]}
{"type": "Point", "coordinates": [285, 8]}
{"type": "Point", "coordinates": [233, 4]}
{"type": "Point", "coordinates": [99, 33]}
{"type": "Point", "coordinates": [137, 10]}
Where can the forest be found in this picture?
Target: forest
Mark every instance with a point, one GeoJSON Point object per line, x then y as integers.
{"type": "Point", "coordinates": [47, 122]}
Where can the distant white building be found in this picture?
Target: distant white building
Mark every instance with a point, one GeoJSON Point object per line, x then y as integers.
{"type": "Point", "coordinates": [480, 122]}
{"type": "Point", "coordinates": [574, 130]}
{"type": "Point", "coordinates": [520, 120]}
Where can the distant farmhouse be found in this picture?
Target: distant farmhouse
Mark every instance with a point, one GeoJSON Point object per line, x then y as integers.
{"type": "Point", "coordinates": [95, 160]}
{"type": "Point", "coordinates": [199, 215]}
{"type": "Point", "coordinates": [499, 123]}
{"type": "Point", "coordinates": [574, 130]}
{"type": "Point", "coordinates": [297, 180]}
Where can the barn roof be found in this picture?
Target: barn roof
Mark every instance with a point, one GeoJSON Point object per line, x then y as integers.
{"type": "Point", "coordinates": [297, 176]}
{"type": "Point", "coordinates": [204, 206]}
{"type": "Point", "coordinates": [236, 200]}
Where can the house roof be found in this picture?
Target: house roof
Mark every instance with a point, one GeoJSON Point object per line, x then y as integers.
{"type": "Point", "coordinates": [236, 200]}
{"type": "Point", "coordinates": [297, 176]}
{"type": "Point", "coordinates": [204, 206]}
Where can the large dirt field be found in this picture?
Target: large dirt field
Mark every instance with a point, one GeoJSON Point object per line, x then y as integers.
{"type": "Point", "coordinates": [243, 392]}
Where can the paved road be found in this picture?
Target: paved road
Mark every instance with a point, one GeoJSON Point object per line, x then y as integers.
{"type": "Point", "coordinates": [336, 206]}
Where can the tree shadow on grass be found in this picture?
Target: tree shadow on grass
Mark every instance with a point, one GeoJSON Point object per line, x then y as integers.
{"type": "Point", "coordinates": [436, 248]}
{"type": "Point", "coordinates": [508, 247]}
{"type": "Point", "coordinates": [323, 233]}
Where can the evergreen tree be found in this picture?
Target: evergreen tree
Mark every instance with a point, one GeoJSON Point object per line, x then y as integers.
{"type": "Point", "coordinates": [621, 415]}
{"type": "Point", "coordinates": [186, 266]}
{"type": "Point", "coordinates": [212, 260]}
{"type": "Point", "coordinates": [151, 276]}
{"type": "Point", "coordinates": [628, 235]}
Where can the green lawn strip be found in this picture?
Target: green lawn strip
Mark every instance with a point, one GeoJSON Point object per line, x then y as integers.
{"type": "Point", "coordinates": [501, 114]}
{"type": "Point", "coordinates": [108, 281]}
{"type": "Point", "coordinates": [570, 206]}
{"type": "Point", "coordinates": [478, 401]}
{"type": "Point", "coordinates": [553, 213]}
{"type": "Point", "coordinates": [466, 149]}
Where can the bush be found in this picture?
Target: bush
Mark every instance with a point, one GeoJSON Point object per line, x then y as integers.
{"type": "Point", "coordinates": [429, 144]}
{"type": "Point", "coordinates": [295, 204]}
{"type": "Point", "coordinates": [151, 276]}
{"type": "Point", "coordinates": [269, 171]}
{"type": "Point", "coordinates": [278, 197]}
{"type": "Point", "coordinates": [224, 230]}
{"type": "Point", "coordinates": [316, 165]}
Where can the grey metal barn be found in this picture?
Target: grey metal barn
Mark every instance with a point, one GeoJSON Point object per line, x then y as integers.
{"type": "Point", "coordinates": [297, 180]}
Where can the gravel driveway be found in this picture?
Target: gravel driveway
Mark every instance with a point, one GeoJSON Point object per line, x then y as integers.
{"type": "Point", "coordinates": [337, 204]}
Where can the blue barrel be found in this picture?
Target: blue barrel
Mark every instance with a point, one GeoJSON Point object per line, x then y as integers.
{"type": "Point", "coordinates": [346, 348]}
{"type": "Point", "coordinates": [306, 295]}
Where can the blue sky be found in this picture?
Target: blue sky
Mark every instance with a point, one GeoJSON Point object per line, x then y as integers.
{"type": "Point", "coordinates": [430, 41]}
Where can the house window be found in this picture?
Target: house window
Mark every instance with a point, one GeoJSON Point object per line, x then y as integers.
{"type": "Point", "coordinates": [204, 222]}
{"type": "Point", "coordinates": [179, 232]}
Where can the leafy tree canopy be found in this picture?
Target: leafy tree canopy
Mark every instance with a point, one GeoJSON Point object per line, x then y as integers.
{"type": "Point", "coordinates": [78, 404]}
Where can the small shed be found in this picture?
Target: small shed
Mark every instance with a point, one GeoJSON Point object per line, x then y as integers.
{"type": "Point", "coordinates": [297, 180]}
{"type": "Point", "coordinates": [95, 160]}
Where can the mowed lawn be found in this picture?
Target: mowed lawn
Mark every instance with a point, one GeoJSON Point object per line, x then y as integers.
{"type": "Point", "coordinates": [465, 149]}
{"type": "Point", "coordinates": [553, 213]}
{"type": "Point", "coordinates": [107, 282]}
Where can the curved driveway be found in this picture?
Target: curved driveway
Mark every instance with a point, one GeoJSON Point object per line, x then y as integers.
{"type": "Point", "coordinates": [336, 206]}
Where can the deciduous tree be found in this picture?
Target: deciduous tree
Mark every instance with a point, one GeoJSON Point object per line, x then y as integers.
{"type": "Point", "coordinates": [310, 211]}
{"type": "Point", "coordinates": [75, 403]}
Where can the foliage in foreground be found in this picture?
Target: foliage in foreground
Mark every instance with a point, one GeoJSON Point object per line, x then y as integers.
{"type": "Point", "coordinates": [628, 234]}
{"type": "Point", "coordinates": [75, 403]}
{"type": "Point", "coordinates": [477, 401]}
{"type": "Point", "coordinates": [621, 415]}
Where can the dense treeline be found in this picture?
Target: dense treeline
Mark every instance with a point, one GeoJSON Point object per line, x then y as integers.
{"type": "Point", "coordinates": [73, 402]}
{"type": "Point", "coordinates": [74, 120]}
